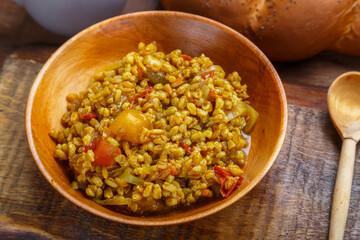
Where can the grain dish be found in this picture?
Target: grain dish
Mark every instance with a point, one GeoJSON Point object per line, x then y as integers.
{"type": "Point", "coordinates": [154, 131]}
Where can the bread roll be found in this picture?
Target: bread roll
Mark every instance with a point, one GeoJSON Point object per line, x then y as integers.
{"type": "Point", "coordinates": [349, 41]}
{"type": "Point", "coordinates": [285, 30]}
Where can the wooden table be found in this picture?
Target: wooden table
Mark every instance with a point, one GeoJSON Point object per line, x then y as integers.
{"type": "Point", "coordinates": [293, 201]}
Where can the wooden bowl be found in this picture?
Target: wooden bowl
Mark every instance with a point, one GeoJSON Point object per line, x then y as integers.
{"type": "Point", "coordinates": [69, 70]}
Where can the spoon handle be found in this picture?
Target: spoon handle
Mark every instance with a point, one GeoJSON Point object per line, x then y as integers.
{"type": "Point", "coordinates": [342, 190]}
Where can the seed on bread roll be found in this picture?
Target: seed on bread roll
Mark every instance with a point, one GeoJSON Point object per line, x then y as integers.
{"type": "Point", "coordinates": [286, 30]}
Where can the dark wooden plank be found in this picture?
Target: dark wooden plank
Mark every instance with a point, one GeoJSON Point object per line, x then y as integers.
{"type": "Point", "coordinates": [34, 52]}
{"type": "Point", "coordinates": [17, 28]}
{"type": "Point", "coordinates": [319, 70]}
{"type": "Point", "coordinates": [292, 201]}
{"type": "Point", "coordinates": [306, 96]}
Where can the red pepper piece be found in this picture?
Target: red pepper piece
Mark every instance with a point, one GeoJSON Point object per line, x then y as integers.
{"type": "Point", "coordinates": [186, 57]}
{"type": "Point", "coordinates": [205, 192]}
{"type": "Point", "coordinates": [205, 75]}
{"type": "Point", "coordinates": [105, 153]}
{"type": "Point", "coordinates": [183, 145]}
{"type": "Point", "coordinates": [223, 176]}
{"type": "Point", "coordinates": [226, 192]}
{"type": "Point", "coordinates": [212, 93]}
{"type": "Point", "coordinates": [174, 171]}
{"type": "Point", "coordinates": [140, 73]}
{"type": "Point", "coordinates": [92, 145]}
{"type": "Point", "coordinates": [178, 80]}
{"type": "Point", "coordinates": [212, 96]}
{"type": "Point", "coordinates": [239, 181]}
{"type": "Point", "coordinates": [90, 115]}
{"type": "Point", "coordinates": [221, 173]}
{"type": "Point", "coordinates": [188, 150]}
{"type": "Point", "coordinates": [142, 95]}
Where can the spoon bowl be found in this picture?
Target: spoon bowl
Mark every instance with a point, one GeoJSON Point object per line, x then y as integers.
{"type": "Point", "coordinates": [344, 108]}
{"type": "Point", "coordinates": [344, 105]}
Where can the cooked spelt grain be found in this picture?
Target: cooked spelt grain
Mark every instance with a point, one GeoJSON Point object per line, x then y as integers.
{"type": "Point", "coordinates": [188, 102]}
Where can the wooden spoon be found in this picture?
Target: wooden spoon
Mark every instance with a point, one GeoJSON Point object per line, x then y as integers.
{"type": "Point", "coordinates": [344, 107]}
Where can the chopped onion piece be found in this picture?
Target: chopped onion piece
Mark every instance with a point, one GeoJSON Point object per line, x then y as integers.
{"type": "Point", "coordinates": [205, 91]}
{"type": "Point", "coordinates": [215, 68]}
{"type": "Point", "coordinates": [128, 177]}
{"type": "Point", "coordinates": [116, 200]}
{"type": "Point", "coordinates": [146, 168]}
{"type": "Point", "coordinates": [156, 77]}
{"type": "Point", "coordinates": [238, 110]}
{"type": "Point", "coordinates": [253, 115]}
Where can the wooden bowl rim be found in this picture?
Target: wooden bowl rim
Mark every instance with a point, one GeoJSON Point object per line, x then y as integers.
{"type": "Point", "coordinates": [143, 221]}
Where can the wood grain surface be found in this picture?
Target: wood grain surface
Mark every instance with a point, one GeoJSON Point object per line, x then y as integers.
{"type": "Point", "coordinates": [293, 201]}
